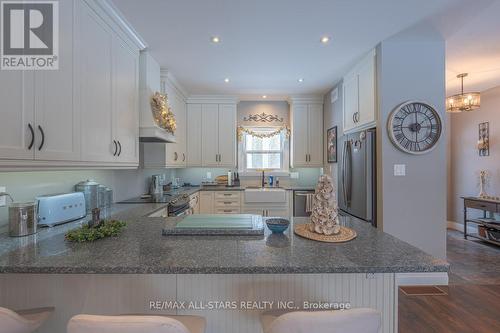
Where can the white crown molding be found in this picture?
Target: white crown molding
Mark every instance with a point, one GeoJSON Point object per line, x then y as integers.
{"type": "Point", "coordinates": [305, 99]}
{"type": "Point", "coordinates": [212, 99]}
{"type": "Point", "coordinates": [166, 75]}
{"type": "Point", "coordinates": [109, 8]}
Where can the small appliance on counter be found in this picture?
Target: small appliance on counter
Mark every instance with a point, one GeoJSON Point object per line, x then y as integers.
{"type": "Point", "coordinates": [156, 184]}
{"type": "Point", "coordinates": [90, 191]}
{"type": "Point", "coordinates": [22, 217]}
{"type": "Point", "coordinates": [60, 208]}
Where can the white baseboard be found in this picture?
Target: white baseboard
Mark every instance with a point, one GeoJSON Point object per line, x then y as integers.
{"type": "Point", "coordinates": [422, 279]}
{"type": "Point", "coordinates": [471, 228]}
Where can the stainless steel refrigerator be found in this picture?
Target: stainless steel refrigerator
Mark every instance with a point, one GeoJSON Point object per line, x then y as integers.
{"type": "Point", "coordinates": [357, 175]}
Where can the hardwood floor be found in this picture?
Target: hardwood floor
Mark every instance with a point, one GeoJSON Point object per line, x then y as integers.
{"type": "Point", "coordinates": [473, 300]}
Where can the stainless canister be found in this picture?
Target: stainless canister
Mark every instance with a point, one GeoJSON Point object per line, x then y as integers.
{"type": "Point", "coordinates": [90, 190]}
{"type": "Point", "coordinates": [22, 219]}
{"type": "Point", "coordinates": [101, 189]}
{"type": "Point", "coordinates": [109, 197]}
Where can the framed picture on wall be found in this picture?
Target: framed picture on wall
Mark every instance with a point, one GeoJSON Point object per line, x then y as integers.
{"type": "Point", "coordinates": [331, 145]}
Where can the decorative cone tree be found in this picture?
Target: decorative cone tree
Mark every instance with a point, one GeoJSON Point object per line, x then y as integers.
{"type": "Point", "coordinates": [324, 218]}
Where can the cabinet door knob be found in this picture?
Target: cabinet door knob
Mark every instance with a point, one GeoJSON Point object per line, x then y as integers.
{"type": "Point", "coordinates": [32, 142]}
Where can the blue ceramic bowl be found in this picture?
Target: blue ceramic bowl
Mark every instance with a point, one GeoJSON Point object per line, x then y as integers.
{"type": "Point", "coordinates": [277, 225]}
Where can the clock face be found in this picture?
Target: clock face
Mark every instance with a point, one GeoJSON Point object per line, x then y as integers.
{"type": "Point", "coordinates": [414, 127]}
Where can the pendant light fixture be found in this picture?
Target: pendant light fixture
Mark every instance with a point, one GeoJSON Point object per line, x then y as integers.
{"type": "Point", "coordinates": [464, 101]}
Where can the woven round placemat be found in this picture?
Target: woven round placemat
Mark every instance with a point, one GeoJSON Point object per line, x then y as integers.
{"type": "Point", "coordinates": [345, 234]}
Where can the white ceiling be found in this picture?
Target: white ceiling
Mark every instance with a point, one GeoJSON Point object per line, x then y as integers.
{"type": "Point", "coordinates": [475, 49]}
{"type": "Point", "coordinates": [267, 45]}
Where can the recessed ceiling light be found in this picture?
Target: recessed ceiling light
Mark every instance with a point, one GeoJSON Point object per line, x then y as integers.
{"type": "Point", "coordinates": [264, 96]}
{"type": "Point", "coordinates": [325, 39]}
{"type": "Point", "coordinates": [301, 80]}
{"type": "Point", "coordinates": [226, 80]}
{"type": "Point", "coordinates": [215, 39]}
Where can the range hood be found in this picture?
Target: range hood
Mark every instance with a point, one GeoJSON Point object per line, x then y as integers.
{"type": "Point", "coordinates": [149, 83]}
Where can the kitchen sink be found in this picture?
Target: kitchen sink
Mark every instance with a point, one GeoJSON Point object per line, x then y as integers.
{"type": "Point", "coordinates": [265, 195]}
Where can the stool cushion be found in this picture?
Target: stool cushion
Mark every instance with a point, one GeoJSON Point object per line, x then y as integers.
{"type": "Point", "coordinates": [132, 324]}
{"type": "Point", "coordinates": [345, 321]}
{"type": "Point", "coordinates": [24, 321]}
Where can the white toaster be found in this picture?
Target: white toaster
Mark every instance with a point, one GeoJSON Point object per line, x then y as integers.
{"type": "Point", "coordinates": [60, 208]}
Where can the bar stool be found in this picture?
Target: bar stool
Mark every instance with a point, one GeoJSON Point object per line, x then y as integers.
{"type": "Point", "coordinates": [136, 324]}
{"type": "Point", "coordinates": [24, 321]}
{"type": "Point", "coordinates": [346, 321]}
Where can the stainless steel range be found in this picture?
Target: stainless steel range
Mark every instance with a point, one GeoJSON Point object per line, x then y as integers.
{"type": "Point", "coordinates": [178, 204]}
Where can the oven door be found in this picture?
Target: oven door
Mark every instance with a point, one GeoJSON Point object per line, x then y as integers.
{"type": "Point", "coordinates": [182, 211]}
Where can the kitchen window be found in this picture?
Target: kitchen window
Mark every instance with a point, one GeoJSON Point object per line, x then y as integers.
{"type": "Point", "coordinates": [258, 153]}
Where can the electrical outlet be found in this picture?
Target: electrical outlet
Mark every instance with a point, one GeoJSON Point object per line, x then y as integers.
{"type": "Point", "coordinates": [3, 198]}
{"type": "Point", "coordinates": [294, 175]}
{"type": "Point", "coordinates": [399, 169]}
{"type": "Point", "coordinates": [209, 175]}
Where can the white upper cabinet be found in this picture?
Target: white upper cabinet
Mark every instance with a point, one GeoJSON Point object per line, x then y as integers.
{"type": "Point", "coordinates": [86, 112]}
{"type": "Point", "coordinates": [17, 127]}
{"type": "Point", "coordinates": [307, 134]}
{"type": "Point", "coordinates": [359, 95]}
{"type": "Point", "coordinates": [315, 134]}
{"type": "Point", "coordinates": [210, 135]}
{"type": "Point", "coordinates": [125, 101]}
{"type": "Point", "coordinates": [56, 117]}
{"type": "Point", "coordinates": [227, 135]}
{"type": "Point", "coordinates": [193, 139]}
{"type": "Point", "coordinates": [95, 101]}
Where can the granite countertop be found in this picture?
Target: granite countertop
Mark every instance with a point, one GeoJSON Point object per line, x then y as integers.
{"type": "Point", "coordinates": [142, 249]}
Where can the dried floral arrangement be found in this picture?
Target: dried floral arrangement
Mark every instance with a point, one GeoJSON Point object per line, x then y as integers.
{"type": "Point", "coordinates": [324, 217]}
{"type": "Point", "coordinates": [162, 113]}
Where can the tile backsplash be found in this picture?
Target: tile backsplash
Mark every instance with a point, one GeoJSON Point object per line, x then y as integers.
{"type": "Point", "coordinates": [25, 186]}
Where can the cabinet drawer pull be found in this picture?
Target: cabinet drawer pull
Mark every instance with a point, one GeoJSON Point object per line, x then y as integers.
{"type": "Point", "coordinates": [176, 156]}
{"type": "Point", "coordinates": [183, 157]}
{"type": "Point", "coordinates": [120, 146]}
{"type": "Point", "coordinates": [32, 142]}
{"type": "Point", "coordinates": [43, 137]}
{"type": "Point", "coordinates": [116, 147]}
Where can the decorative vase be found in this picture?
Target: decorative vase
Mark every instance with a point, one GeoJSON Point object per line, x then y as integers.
{"type": "Point", "coordinates": [483, 174]}
{"type": "Point", "coordinates": [324, 217]}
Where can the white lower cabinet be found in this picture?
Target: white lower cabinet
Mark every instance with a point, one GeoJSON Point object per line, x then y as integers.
{"type": "Point", "coordinates": [220, 202]}
{"type": "Point", "coordinates": [206, 202]}
{"type": "Point", "coordinates": [276, 209]}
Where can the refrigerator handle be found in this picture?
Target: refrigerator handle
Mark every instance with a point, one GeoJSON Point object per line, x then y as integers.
{"type": "Point", "coordinates": [348, 173]}
{"type": "Point", "coordinates": [344, 194]}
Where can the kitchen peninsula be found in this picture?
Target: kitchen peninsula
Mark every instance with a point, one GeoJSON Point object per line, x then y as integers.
{"type": "Point", "coordinates": [140, 267]}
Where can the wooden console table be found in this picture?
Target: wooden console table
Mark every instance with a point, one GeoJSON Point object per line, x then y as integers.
{"type": "Point", "coordinates": [486, 206]}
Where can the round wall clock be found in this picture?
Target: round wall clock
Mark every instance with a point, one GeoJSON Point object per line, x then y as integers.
{"type": "Point", "coordinates": [414, 127]}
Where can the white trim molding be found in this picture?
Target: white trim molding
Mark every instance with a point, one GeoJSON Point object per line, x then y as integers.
{"type": "Point", "coordinates": [173, 82]}
{"type": "Point", "coordinates": [212, 99]}
{"type": "Point", "coordinates": [109, 8]}
{"type": "Point", "coordinates": [422, 279]}
{"type": "Point", "coordinates": [471, 227]}
{"type": "Point", "coordinates": [305, 99]}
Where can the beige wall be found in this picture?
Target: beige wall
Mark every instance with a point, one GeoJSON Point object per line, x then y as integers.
{"type": "Point", "coordinates": [465, 162]}
{"type": "Point", "coordinates": [281, 109]}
